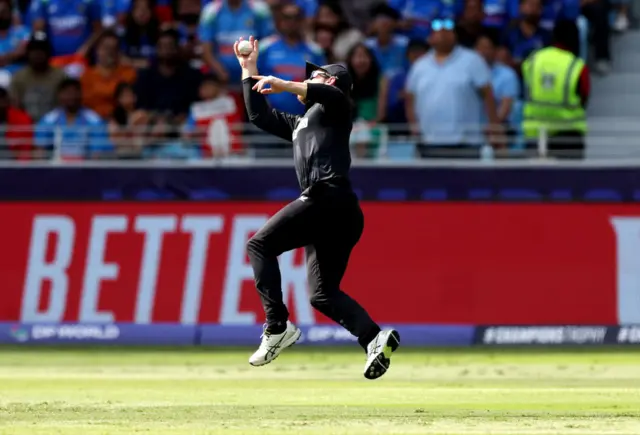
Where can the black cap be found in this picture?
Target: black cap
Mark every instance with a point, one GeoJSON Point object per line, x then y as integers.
{"type": "Point", "coordinates": [39, 41]}
{"type": "Point", "coordinates": [340, 72]}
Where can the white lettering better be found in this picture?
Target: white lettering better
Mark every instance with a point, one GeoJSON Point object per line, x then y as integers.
{"type": "Point", "coordinates": [39, 270]}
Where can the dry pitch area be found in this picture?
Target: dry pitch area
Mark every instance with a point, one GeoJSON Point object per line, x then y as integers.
{"type": "Point", "coordinates": [180, 392]}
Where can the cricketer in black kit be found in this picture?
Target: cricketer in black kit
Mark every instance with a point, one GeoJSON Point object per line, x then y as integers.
{"type": "Point", "coordinates": [326, 219]}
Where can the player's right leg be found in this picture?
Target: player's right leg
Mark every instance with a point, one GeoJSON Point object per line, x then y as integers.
{"type": "Point", "coordinates": [327, 261]}
{"type": "Point", "coordinates": [292, 227]}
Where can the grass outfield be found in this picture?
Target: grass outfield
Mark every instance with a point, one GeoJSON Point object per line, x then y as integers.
{"type": "Point", "coordinates": [305, 391]}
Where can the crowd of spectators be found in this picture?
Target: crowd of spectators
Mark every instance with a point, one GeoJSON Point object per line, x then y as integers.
{"type": "Point", "coordinates": [133, 79]}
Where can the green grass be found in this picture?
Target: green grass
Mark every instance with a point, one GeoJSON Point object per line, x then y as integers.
{"type": "Point", "coordinates": [214, 391]}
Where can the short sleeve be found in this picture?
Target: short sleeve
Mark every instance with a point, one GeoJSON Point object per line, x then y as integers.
{"type": "Point", "coordinates": [480, 73]}
{"type": "Point", "coordinates": [511, 85]}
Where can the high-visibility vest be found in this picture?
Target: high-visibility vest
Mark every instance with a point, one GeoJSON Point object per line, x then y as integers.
{"type": "Point", "coordinates": [550, 78]}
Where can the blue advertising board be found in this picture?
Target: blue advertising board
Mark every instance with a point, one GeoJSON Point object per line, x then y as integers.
{"type": "Point", "coordinates": [279, 183]}
{"type": "Point", "coordinates": [214, 335]}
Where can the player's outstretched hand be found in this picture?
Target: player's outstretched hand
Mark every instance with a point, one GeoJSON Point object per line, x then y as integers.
{"type": "Point", "coordinates": [248, 58]}
{"type": "Point", "coordinates": [275, 85]}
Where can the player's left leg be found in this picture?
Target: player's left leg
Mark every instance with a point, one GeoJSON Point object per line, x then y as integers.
{"type": "Point", "coordinates": [327, 261]}
{"type": "Point", "coordinates": [290, 228]}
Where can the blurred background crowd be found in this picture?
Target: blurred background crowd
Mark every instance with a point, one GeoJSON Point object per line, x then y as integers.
{"type": "Point", "coordinates": [145, 79]}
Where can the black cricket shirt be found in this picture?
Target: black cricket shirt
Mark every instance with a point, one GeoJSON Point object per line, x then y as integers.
{"type": "Point", "coordinates": [320, 137]}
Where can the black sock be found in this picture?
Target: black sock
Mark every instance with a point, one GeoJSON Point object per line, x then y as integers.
{"type": "Point", "coordinates": [365, 339]}
{"type": "Point", "coordinates": [277, 328]}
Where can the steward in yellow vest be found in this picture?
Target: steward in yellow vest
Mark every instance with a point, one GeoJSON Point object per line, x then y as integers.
{"type": "Point", "coordinates": [556, 88]}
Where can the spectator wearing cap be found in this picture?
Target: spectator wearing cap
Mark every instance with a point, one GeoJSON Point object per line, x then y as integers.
{"type": "Point", "coordinates": [504, 80]}
{"type": "Point", "coordinates": [222, 23]}
{"type": "Point", "coordinates": [13, 40]}
{"type": "Point", "coordinates": [526, 35]}
{"type": "Point", "coordinates": [417, 15]}
{"type": "Point", "coordinates": [167, 89]}
{"type": "Point", "coordinates": [100, 81]}
{"type": "Point", "coordinates": [392, 91]}
{"type": "Point", "coordinates": [389, 48]}
{"type": "Point", "coordinates": [33, 88]}
{"type": "Point", "coordinates": [284, 56]}
{"type": "Point", "coordinates": [557, 87]}
{"type": "Point", "coordinates": [141, 34]}
{"type": "Point", "coordinates": [70, 131]}
{"type": "Point", "coordinates": [331, 17]}
{"type": "Point", "coordinates": [446, 92]}
{"type": "Point", "coordinates": [16, 142]}
{"type": "Point", "coordinates": [71, 25]}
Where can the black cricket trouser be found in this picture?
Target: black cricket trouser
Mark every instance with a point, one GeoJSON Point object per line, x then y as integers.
{"type": "Point", "coordinates": [328, 226]}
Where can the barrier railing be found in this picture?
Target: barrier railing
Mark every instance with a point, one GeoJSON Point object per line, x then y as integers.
{"type": "Point", "coordinates": [613, 141]}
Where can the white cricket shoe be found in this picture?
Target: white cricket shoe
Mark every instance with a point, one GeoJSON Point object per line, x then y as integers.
{"type": "Point", "coordinates": [379, 353]}
{"type": "Point", "coordinates": [273, 344]}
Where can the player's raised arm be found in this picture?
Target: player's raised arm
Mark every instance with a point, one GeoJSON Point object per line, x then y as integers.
{"type": "Point", "coordinates": [260, 113]}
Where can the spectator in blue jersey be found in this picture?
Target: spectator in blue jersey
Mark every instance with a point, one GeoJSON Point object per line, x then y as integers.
{"type": "Point", "coordinates": [222, 22]}
{"type": "Point", "coordinates": [418, 14]}
{"type": "Point", "coordinates": [392, 91]}
{"type": "Point", "coordinates": [331, 16]}
{"type": "Point", "coordinates": [71, 25]}
{"type": "Point", "coordinates": [497, 15]}
{"type": "Point", "coordinates": [526, 35]}
{"type": "Point", "coordinates": [70, 131]}
{"type": "Point", "coordinates": [13, 40]}
{"type": "Point", "coordinates": [141, 34]}
{"type": "Point", "coordinates": [284, 55]}
{"type": "Point", "coordinates": [388, 47]}
{"type": "Point", "coordinates": [504, 80]}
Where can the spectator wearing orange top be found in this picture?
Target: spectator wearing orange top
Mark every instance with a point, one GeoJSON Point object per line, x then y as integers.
{"type": "Point", "coordinates": [17, 141]}
{"type": "Point", "coordinates": [99, 82]}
